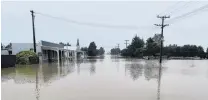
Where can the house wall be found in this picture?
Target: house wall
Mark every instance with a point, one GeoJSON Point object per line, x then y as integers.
{"type": "Point", "coordinates": [4, 52]}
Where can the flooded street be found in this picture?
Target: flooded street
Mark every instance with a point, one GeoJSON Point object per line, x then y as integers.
{"type": "Point", "coordinates": [108, 79]}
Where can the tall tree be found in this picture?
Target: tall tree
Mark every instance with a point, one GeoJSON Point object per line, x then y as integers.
{"type": "Point", "coordinates": [135, 49]}
{"type": "Point", "coordinates": [207, 53]}
{"type": "Point", "coordinates": [137, 42]}
{"type": "Point", "coordinates": [92, 49]}
{"type": "Point", "coordinates": [101, 51]}
{"type": "Point", "coordinates": [136, 46]}
{"type": "Point", "coordinates": [151, 47]}
{"type": "Point", "coordinates": [201, 52]}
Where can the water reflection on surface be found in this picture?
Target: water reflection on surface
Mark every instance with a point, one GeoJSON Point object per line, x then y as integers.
{"type": "Point", "coordinates": [107, 78]}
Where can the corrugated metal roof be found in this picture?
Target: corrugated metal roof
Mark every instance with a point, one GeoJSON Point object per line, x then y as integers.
{"type": "Point", "coordinates": [45, 43]}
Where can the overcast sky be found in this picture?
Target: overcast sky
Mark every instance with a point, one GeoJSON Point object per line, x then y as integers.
{"type": "Point", "coordinates": [126, 18]}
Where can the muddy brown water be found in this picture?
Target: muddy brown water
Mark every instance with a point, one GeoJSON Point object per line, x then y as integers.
{"type": "Point", "coordinates": [107, 79]}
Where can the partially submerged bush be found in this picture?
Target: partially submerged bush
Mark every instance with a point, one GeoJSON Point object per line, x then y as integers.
{"type": "Point", "coordinates": [27, 57]}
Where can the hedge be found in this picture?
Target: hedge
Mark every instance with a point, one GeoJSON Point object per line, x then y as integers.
{"type": "Point", "coordinates": [27, 57]}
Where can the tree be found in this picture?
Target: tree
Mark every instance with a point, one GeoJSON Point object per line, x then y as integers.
{"type": "Point", "coordinates": [67, 44]}
{"type": "Point", "coordinates": [184, 51]}
{"type": "Point", "coordinates": [207, 53]}
{"type": "Point", "coordinates": [207, 50]}
{"type": "Point", "coordinates": [151, 47]}
{"type": "Point", "coordinates": [61, 43]}
{"type": "Point", "coordinates": [92, 49]}
{"type": "Point", "coordinates": [84, 49]}
{"type": "Point", "coordinates": [157, 38]}
{"type": "Point", "coordinates": [135, 49]}
{"type": "Point", "coordinates": [115, 51]}
{"type": "Point", "coordinates": [137, 42]}
{"type": "Point", "coordinates": [201, 52]}
{"type": "Point", "coordinates": [136, 46]}
{"type": "Point", "coordinates": [101, 51]}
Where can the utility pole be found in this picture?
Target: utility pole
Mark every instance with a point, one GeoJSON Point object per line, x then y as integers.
{"type": "Point", "coordinates": [161, 40]}
{"type": "Point", "coordinates": [117, 49]}
{"type": "Point", "coordinates": [33, 25]}
{"type": "Point", "coordinates": [126, 43]}
{"type": "Point", "coordinates": [118, 46]}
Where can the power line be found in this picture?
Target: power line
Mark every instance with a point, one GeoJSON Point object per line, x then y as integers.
{"type": "Point", "coordinates": [90, 24]}
{"type": "Point", "coordinates": [193, 12]}
{"type": "Point", "coordinates": [171, 7]}
{"type": "Point", "coordinates": [180, 8]}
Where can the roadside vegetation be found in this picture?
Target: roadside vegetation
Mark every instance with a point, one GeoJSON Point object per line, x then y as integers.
{"type": "Point", "coordinates": [92, 50]}
{"type": "Point", "coordinates": [27, 57]}
{"type": "Point", "coordinates": [139, 48]}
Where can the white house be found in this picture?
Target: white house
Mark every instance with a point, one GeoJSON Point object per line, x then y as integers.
{"type": "Point", "coordinates": [48, 51]}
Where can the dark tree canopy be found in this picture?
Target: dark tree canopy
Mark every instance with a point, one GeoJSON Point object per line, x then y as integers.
{"type": "Point", "coordinates": [207, 50]}
{"type": "Point", "coordinates": [184, 51]}
{"type": "Point", "coordinates": [101, 51]}
{"type": "Point", "coordinates": [115, 51]}
{"type": "Point", "coordinates": [84, 49]}
{"type": "Point", "coordinates": [152, 48]}
{"type": "Point", "coordinates": [207, 53]}
{"type": "Point", "coordinates": [67, 44]}
{"type": "Point", "coordinates": [61, 43]}
{"type": "Point", "coordinates": [135, 49]}
{"type": "Point", "coordinates": [92, 51]}
{"type": "Point", "coordinates": [137, 42]}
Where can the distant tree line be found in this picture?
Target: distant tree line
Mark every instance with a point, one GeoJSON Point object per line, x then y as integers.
{"type": "Point", "coordinates": [139, 48]}
{"type": "Point", "coordinates": [115, 51]}
{"type": "Point", "coordinates": [65, 44]}
{"type": "Point", "coordinates": [185, 51]}
{"type": "Point", "coordinates": [92, 50]}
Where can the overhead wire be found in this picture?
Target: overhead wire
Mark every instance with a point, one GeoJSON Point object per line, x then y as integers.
{"type": "Point", "coordinates": [191, 13]}
{"type": "Point", "coordinates": [169, 8]}
{"type": "Point", "coordinates": [91, 24]}
{"type": "Point", "coordinates": [98, 24]}
{"type": "Point", "coordinates": [180, 8]}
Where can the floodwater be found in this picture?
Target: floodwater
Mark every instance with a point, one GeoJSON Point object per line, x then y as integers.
{"type": "Point", "coordinates": [108, 79]}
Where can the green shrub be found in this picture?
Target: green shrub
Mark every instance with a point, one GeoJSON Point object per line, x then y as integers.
{"type": "Point", "coordinates": [27, 57]}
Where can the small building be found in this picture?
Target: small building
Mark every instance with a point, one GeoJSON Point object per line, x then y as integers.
{"type": "Point", "coordinates": [47, 51]}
